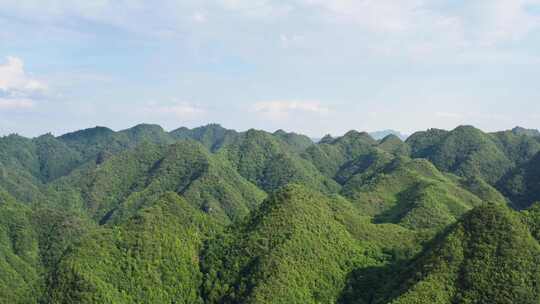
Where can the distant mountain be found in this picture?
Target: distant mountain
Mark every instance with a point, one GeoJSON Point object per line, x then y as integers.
{"type": "Point", "coordinates": [528, 132]}
{"type": "Point", "coordinates": [378, 135]}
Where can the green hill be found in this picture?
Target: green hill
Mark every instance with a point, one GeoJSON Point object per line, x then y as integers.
{"type": "Point", "coordinates": [333, 155]}
{"type": "Point", "coordinates": [487, 257]}
{"type": "Point", "coordinates": [522, 185]}
{"type": "Point", "coordinates": [394, 145]}
{"type": "Point", "coordinates": [212, 136]}
{"type": "Point", "coordinates": [465, 151]}
{"type": "Point", "coordinates": [126, 182]}
{"type": "Point", "coordinates": [292, 250]}
{"type": "Point", "coordinates": [268, 162]}
{"type": "Point", "coordinates": [150, 258]}
{"type": "Point", "coordinates": [211, 215]}
{"type": "Point", "coordinates": [412, 193]}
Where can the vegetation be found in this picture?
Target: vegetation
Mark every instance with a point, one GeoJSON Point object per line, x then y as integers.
{"type": "Point", "coordinates": [211, 215]}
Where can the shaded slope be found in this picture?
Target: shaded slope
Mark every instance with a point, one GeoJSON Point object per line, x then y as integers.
{"type": "Point", "coordinates": [517, 145]}
{"type": "Point", "coordinates": [522, 185]}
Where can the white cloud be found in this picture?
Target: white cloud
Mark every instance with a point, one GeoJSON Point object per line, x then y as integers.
{"type": "Point", "coordinates": [283, 109]}
{"type": "Point", "coordinates": [14, 78]}
{"type": "Point", "coordinates": [199, 17]}
{"type": "Point", "coordinates": [375, 15]}
{"type": "Point", "coordinates": [451, 115]}
{"type": "Point", "coordinates": [16, 104]}
{"type": "Point", "coordinates": [506, 20]}
{"type": "Point", "coordinates": [180, 110]}
{"type": "Point", "coordinates": [18, 90]}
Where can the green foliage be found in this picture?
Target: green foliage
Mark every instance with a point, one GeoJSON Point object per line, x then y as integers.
{"type": "Point", "coordinates": [291, 250]}
{"type": "Point", "coordinates": [488, 257]}
{"type": "Point", "coordinates": [394, 145]}
{"type": "Point", "coordinates": [212, 136]}
{"type": "Point", "coordinates": [268, 163]}
{"type": "Point", "coordinates": [297, 142]}
{"type": "Point", "coordinates": [412, 193]}
{"type": "Point", "coordinates": [19, 256]}
{"type": "Point", "coordinates": [465, 151]}
{"type": "Point", "coordinates": [332, 156]}
{"type": "Point", "coordinates": [150, 258]}
{"type": "Point", "coordinates": [126, 182]}
{"type": "Point", "coordinates": [518, 146]}
{"type": "Point", "coordinates": [148, 216]}
{"type": "Point", "coordinates": [522, 185]}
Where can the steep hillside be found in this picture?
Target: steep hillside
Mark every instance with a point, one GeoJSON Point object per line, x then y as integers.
{"type": "Point", "coordinates": [297, 142]}
{"type": "Point", "coordinates": [488, 257]}
{"type": "Point", "coordinates": [20, 279]}
{"type": "Point", "coordinates": [269, 163]}
{"type": "Point", "coordinates": [126, 182]}
{"type": "Point", "coordinates": [150, 258]}
{"type": "Point", "coordinates": [212, 136]}
{"type": "Point", "coordinates": [412, 193]}
{"type": "Point", "coordinates": [394, 145]}
{"type": "Point", "coordinates": [465, 151]}
{"type": "Point", "coordinates": [333, 155]}
{"type": "Point", "coordinates": [522, 185]}
{"type": "Point", "coordinates": [292, 250]}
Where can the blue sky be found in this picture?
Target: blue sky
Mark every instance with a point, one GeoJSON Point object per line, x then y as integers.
{"type": "Point", "coordinates": [311, 66]}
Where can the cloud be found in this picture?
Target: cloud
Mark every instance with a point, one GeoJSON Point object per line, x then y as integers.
{"type": "Point", "coordinates": [199, 17]}
{"type": "Point", "coordinates": [374, 15]}
{"type": "Point", "coordinates": [13, 78]}
{"type": "Point", "coordinates": [18, 90]}
{"type": "Point", "coordinates": [451, 115]}
{"type": "Point", "coordinates": [283, 109]}
{"type": "Point", "coordinates": [180, 110]}
{"type": "Point", "coordinates": [16, 104]}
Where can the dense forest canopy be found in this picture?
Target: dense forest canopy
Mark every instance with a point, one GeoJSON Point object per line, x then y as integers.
{"type": "Point", "coordinates": [212, 215]}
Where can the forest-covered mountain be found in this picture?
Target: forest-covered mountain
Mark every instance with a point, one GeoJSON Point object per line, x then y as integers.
{"type": "Point", "coordinates": [212, 215]}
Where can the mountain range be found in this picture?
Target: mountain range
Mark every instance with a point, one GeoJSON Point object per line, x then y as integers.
{"type": "Point", "coordinates": [213, 215]}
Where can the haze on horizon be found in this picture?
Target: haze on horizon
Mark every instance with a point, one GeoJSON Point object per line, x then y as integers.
{"type": "Point", "coordinates": [309, 66]}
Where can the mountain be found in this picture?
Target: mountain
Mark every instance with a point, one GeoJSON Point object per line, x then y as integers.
{"type": "Point", "coordinates": [527, 132]}
{"type": "Point", "coordinates": [270, 257]}
{"type": "Point", "coordinates": [271, 163]}
{"type": "Point", "coordinates": [212, 136]}
{"type": "Point", "coordinates": [212, 215]}
{"type": "Point", "coordinates": [128, 181]}
{"type": "Point", "coordinates": [487, 257]}
{"type": "Point", "coordinates": [412, 193]}
{"type": "Point", "coordinates": [378, 135]}
{"type": "Point", "coordinates": [152, 257]}
{"type": "Point", "coordinates": [332, 156]}
{"type": "Point", "coordinates": [522, 185]}
{"type": "Point", "coordinates": [393, 144]}
{"type": "Point", "coordinates": [465, 151]}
